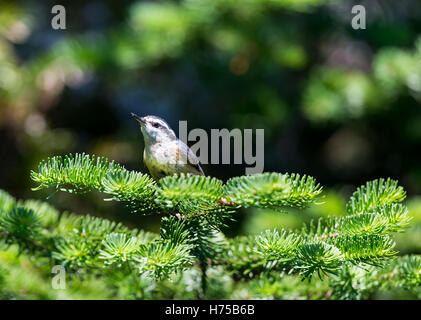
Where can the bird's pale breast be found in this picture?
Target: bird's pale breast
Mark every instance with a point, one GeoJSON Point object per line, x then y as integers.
{"type": "Point", "coordinates": [167, 160]}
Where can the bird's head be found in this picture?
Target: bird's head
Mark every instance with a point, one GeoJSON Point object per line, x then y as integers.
{"type": "Point", "coordinates": [155, 129]}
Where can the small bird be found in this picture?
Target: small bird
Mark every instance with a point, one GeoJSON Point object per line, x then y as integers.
{"type": "Point", "coordinates": [164, 153]}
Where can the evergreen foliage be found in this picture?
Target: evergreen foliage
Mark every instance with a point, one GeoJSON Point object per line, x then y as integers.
{"type": "Point", "coordinates": [345, 257]}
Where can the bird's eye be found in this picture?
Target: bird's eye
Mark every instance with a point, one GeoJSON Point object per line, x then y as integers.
{"type": "Point", "coordinates": [155, 125]}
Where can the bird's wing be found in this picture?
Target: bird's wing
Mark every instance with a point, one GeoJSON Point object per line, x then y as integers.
{"type": "Point", "coordinates": [186, 155]}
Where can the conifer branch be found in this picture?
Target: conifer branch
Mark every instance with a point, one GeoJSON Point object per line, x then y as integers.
{"type": "Point", "coordinates": [341, 250]}
{"type": "Point", "coordinates": [358, 238]}
{"type": "Point", "coordinates": [375, 194]}
{"type": "Point", "coordinates": [272, 190]}
{"type": "Point", "coordinates": [81, 173]}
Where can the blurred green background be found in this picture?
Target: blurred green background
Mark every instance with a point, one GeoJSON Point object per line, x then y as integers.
{"type": "Point", "coordinates": [339, 104]}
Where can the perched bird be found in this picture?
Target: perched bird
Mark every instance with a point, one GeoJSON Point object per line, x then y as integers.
{"type": "Point", "coordinates": [164, 154]}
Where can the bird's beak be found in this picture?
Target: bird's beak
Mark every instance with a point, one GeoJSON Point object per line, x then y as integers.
{"type": "Point", "coordinates": [140, 119]}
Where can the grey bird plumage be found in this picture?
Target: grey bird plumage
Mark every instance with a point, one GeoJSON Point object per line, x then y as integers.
{"type": "Point", "coordinates": [164, 153]}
